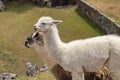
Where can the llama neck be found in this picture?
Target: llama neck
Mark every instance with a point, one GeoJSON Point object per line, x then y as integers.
{"type": "Point", "coordinates": [47, 59]}
{"type": "Point", "coordinates": [53, 43]}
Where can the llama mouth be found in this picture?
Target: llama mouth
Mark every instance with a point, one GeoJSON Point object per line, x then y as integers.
{"type": "Point", "coordinates": [27, 44]}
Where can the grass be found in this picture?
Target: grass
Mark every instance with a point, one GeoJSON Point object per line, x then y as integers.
{"type": "Point", "coordinates": [43, 76]}
{"type": "Point", "coordinates": [110, 7]}
{"type": "Point", "coordinates": [16, 23]}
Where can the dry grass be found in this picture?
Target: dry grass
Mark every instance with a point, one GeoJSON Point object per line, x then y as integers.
{"type": "Point", "coordinates": [42, 76]}
{"type": "Point", "coordinates": [110, 7]}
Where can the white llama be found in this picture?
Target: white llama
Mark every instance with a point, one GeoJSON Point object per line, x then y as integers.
{"type": "Point", "coordinates": [35, 40]}
{"type": "Point", "coordinates": [81, 55]}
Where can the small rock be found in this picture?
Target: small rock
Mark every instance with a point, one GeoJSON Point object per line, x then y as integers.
{"type": "Point", "coordinates": [2, 6]}
{"type": "Point", "coordinates": [8, 76]}
{"type": "Point", "coordinates": [44, 68]}
{"type": "Point", "coordinates": [32, 69]}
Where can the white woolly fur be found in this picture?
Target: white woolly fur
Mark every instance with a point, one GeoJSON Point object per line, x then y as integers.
{"type": "Point", "coordinates": [81, 55]}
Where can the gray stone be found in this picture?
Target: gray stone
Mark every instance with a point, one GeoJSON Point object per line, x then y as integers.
{"type": "Point", "coordinates": [63, 2]}
{"type": "Point", "coordinates": [8, 76]}
{"type": "Point", "coordinates": [2, 6]}
{"type": "Point", "coordinates": [32, 69]}
{"type": "Point", "coordinates": [42, 2]}
{"type": "Point", "coordinates": [100, 19]}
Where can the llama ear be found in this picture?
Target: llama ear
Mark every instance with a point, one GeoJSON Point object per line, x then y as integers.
{"type": "Point", "coordinates": [56, 21]}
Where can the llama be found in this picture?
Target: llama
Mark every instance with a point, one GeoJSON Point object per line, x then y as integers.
{"type": "Point", "coordinates": [82, 54]}
{"type": "Point", "coordinates": [37, 39]}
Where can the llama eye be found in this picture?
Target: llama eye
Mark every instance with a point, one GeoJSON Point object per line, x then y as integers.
{"type": "Point", "coordinates": [43, 23]}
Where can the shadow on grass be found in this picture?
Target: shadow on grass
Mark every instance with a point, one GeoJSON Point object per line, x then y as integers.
{"type": "Point", "coordinates": [90, 23]}
{"type": "Point", "coordinates": [15, 6]}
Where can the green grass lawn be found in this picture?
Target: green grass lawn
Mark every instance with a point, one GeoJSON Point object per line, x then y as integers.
{"type": "Point", "coordinates": [16, 23]}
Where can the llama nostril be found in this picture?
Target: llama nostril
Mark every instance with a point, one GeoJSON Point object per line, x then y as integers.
{"type": "Point", "coordinates": [26, 44]}
{"type": "Point", "coordinates": [28, 39]}
{"type": "Point", "coordinates": [35, 28]}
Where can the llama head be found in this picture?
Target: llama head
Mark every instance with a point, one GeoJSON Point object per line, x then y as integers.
{"type": "Point", "coordinates": [34, 39]}
{"type": "Point", "coordinates": [44, 23]}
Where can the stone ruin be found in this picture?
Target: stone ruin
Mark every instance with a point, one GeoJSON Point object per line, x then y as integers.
{"type": "Point", "coordinates": [8, 76]}
{"type": "Point", "coordinates": [49, 3]}
{"type": "Point", "coordinates": [32, 69]}
{"type": "Point", "coordinates": [101, 20]}
{"type": "Point", "coordinates": [54, 3]}
{"type": "Point", "coordinates": [62, 2]}
{"type": "Point", "coordinates": [2, 6]}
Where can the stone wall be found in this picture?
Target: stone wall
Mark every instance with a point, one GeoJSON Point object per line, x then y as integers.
{"type": "Point", "coordinates": [63, 2]}
{"type": "Point", "coordinates": [101, 20]}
